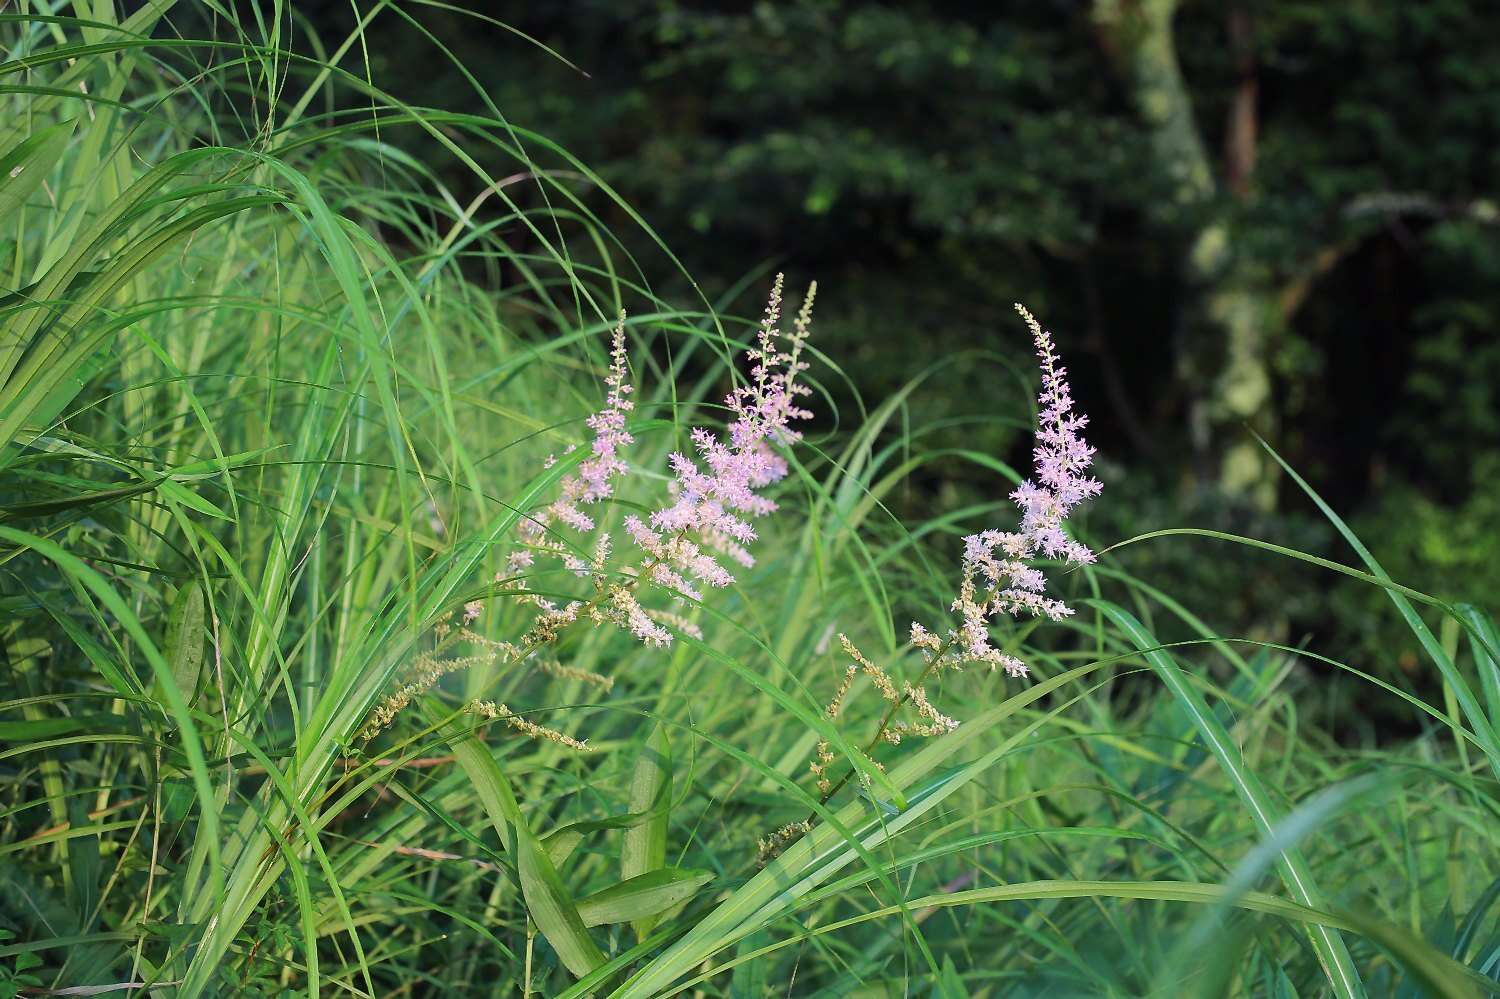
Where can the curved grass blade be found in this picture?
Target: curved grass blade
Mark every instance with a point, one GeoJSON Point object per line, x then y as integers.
{"type": "Point", "coordinates": [1332, 952]}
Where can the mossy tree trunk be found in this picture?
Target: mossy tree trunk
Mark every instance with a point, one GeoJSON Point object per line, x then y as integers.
{"type": "Point", "coordinates": [1232, 309]}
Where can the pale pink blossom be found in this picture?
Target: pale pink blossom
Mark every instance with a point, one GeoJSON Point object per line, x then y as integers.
{"type": "Point", "coordinates": [714, 494]}
{"type": "Point", "coordinates": [594, 479]}
{"type": "Point", "coordinates": [997, 578]}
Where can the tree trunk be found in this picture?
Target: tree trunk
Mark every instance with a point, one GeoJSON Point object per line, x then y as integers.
{"type": "Point", "coordinates": [1231, 309]}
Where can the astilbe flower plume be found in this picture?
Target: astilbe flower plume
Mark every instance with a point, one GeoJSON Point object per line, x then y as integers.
{"type": "Point", "coordinates": [997, 577]}
{"type": "Point", "coordinates": [593, 480]}
{"type": "Point", "coordinates": [680, 544]}
{"type": "Point", "coordinates": [590, 483]}
{"type": "Point", "coordinates": [714, 495]}
{"type": "Point", "coordinates": [712, 503]}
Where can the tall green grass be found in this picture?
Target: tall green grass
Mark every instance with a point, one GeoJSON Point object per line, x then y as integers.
{"type": "Point", "coordinates": [272, 403]}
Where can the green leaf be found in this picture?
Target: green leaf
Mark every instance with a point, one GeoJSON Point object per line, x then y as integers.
{"type": "Point", "coordinates": [814, 858]}
{"type": "Point", "coordinates": [1483, 638]}
{"type": "Point", "coordinates": [562, 841]}
{"type": "Point", "coordinates": [645, 844]}
{"type": "Point", "coordinates": [548, 902]}
{"type": "Point", "coordinates": [176, 705]}
{"type": "Point", "coordinates": [49, 345]}
{"type": "Point", "coordinates": [23, 169]}
{"type": "Point", "coordinates": [192, 500]}
{"type": "Point", "coordinates": [639, 898]}
{"type": "Point", "coordinates": [50, 728]}
{"type": "Point", "coordinates": [552, 908]}
{"type": "Point", "coordinates": [749, 979]}
{"type": "Point", "coordinates": [1445, 976]}
{"type": "Point", "coordinates": [186, 629]}
{"type": "Point", "coordinates": [1438, 974]}
{"type": "Point", "coordinates": [216, 466]}
{"type": "Point", "coordinates": [43, 508]}
{"type": "Point", "coordinates": [950, 984]}
{"type": "Point", "coordinates": [1489, 738]}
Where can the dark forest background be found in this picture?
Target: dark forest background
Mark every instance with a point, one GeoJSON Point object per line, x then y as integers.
{"type": "Point", "coordinates": [1276, 216]}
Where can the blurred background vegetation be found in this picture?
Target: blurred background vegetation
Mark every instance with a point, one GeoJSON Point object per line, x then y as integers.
{"type": "Point", "coordinates": [1275, 215]}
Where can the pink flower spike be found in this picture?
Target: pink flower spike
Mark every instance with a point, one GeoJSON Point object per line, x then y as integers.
{"type": "Point", "coordinates": [715, 493]}
{"type": "Point", "coordinates": [996, 576]}
{"type": "Point", "coordinates": [593, 481]}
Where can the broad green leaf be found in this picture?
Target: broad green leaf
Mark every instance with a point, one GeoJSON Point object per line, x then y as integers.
{"type": "Point", "coordinates": [562, 841]}
{"type": "Point", "coordinates": [548, 902]}
{"type": "Point", "coordinates": [750, 978]}
{"type": "Point", "coordinates": [641, 897]}
{"type": "Point", "coordinates": [43, 508]}
{"type": "Point", "coordinates": [192, 500]}
{"type": "Point", "coordinates": [39, 728]}
{"type": "Point", "coordinates": [48, 728]}
{"type": "Point", "coordinates": [1438, 974]}
{"type": "Point", "coordinates": [186, 631]}
{"type": "Point", "coordinates": [216, 466]}
{"type": "Point", "coordinates": [552, 908]}
{"type": "Point", "coordinates": [645, 844]}
{"type": "Point", "coordinates": [23, 168]}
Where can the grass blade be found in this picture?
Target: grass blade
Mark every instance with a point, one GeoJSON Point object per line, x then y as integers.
{"type": "Point", "coordinates": [1332, 952]}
